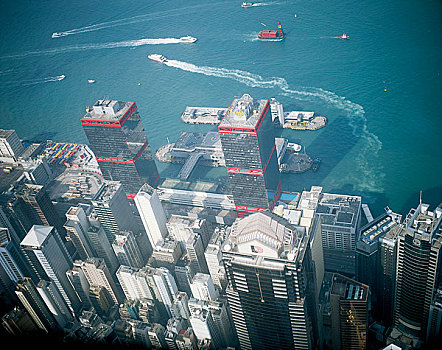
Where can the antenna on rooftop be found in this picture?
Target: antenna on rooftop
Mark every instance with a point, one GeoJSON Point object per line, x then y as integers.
{"type": "Point", "coordinates": [420, 197]}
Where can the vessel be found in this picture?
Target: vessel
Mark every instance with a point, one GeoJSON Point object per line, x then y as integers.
{"type": "Point", "coordinates": [61, 77]}
{"type": "Point", "coordinates": [56, 35]}
{"type": "Point", "coordinates": [247, 4]}
{"type": "Point", "coordinates": [157, 58]}
{"type": "Point", "coordinates": [343, 36]}
{"type": "Point", "coordinates": [91, 81]}
{"type": "Point", "coordinates": [272, 35]}
{"type": "Point", "coordinates": [188, 39]}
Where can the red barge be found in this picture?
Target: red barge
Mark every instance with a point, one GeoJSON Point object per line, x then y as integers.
{"type": "Point", "coordinates": [272, 35]}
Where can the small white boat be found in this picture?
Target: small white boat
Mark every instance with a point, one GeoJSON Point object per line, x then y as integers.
{"type": "Point", "coordinates": [61, 77]}
{"type": "Point", "coordinates": [247, 4]}
{"type": "Point", "coordinates": [56, 35]}
{"type": "Point", "coordinates": [343, 36]}
{"type": "Point", "coordinates": [188, 39]}
{"type": "Point", "coordinates": [91, 81]}
{"type": "Point", "coordinates": [157, 58]}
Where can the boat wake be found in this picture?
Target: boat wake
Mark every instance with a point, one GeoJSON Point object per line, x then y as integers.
{"type": "Point", "coordinates": [28, 82]}
{"type": "Point", "coordinates": [353, 112]}
{"type": "Point", "coordinates": [256, 4]}
{"type": "Point", "coordinates": [84, 47]}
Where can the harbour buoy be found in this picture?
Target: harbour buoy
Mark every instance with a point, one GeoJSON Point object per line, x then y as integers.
{"type": "Point", "coordinates": [139, 84]}
{"type": "Point", "coordinates": [385, 89]}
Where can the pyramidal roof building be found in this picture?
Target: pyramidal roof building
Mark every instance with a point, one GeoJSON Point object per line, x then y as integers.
{"type": "Point", "coordinates": [271, 283]}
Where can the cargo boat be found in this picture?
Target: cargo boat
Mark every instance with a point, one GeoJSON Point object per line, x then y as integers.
{"type": "Point", "coordinates": [272, 35]}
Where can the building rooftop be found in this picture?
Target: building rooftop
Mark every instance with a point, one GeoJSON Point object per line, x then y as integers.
{"type": "Point", "coordinates": [106, 191]}
{"type": "Point", "coordinates": [371, 232]}
{"type": "Point", "coordinates": [4, 134]}
{"type": "Point", "coordinates": [111, 110]}
{"type": "Point", "coordinates": [36, 236]}
{"type": "Point", "coordinates": [244, 112]}
{"type": "Point", "coordinates": [348, 289]}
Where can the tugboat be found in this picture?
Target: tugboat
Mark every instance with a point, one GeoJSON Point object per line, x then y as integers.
{"type": "Point", "coordinates": [272, 35]}
{"type": "Point", "coordinates": [157, 58]}
{"type": "Point", "coordinates": [343, 36]}
{"type": "Point", "coordinates": [315, 164]}
{"type": "Point", "coordinates": [247, 4]}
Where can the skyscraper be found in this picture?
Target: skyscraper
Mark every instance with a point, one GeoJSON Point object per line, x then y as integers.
{"type": "Point", "coordinates": [349, 313]}
{"type": "Point", "coordinates": [117, 138]}
{"type": "Point", "coordinates": [248, 142]}
{"type": "Point", "coordinates": [46, 244]}
{"type": "Point", "coordinates": [417, 268]}
{"type": "Point", "coordinates": [271, 283]}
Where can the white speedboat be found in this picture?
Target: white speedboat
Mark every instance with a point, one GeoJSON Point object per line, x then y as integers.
{"type": "Point", "coordinates": [61, 77]}
{"type": "Point", "coordinates": [343, 36]}
{"type": "Point", "coordinates": [188, 39]}
{"type": "Point", "coordinates": [56, 35]}
{"type": "Point", "coordinates": [91, 81]}
{"type": "Point", "coordinates": [157, 58]}
{"type": "Point", "coordinates": [247, 4]}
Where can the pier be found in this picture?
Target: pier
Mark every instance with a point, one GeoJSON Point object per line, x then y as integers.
{"type": "Point", "coordinates": [367, 212]}
{"type": "Point", "coordinates": [189, 165]}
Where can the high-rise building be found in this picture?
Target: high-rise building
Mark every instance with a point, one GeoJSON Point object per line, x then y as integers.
{"type": "Point", "coordinates": [368, 259]}
{"type": "Point", "coordinates": [202, 287]}
{"type": "Point", "coordinates": [181, 227]}
{"type": "Point", "coordinates": [134, 283]}
{"type": "Point", "coordinates": [248, 142]}
{"type": "Point", "coordinates": [36, 307]}
{"type": "Point", "coordinates": [53, 257]}
{"type": "Point", "coordinates": [10, 146]}
{"type": "Point", "coordinates": [117, 138]}
{"type": "Point", "coordinates": [113, 210]}
{"type": "Point", "coordinates": [166, 286]}
{"type": "Point", "coordinates": [126, 249]}
{"type": "Point", "coordinates": [97, 274]}
{"type": "Point", "coordinates": [152, 214]}
{"type": "Point", "coordinates": [417, 269]}
{"type": "Point", "coordinates": [80, 283]}
{"type": "Point", "coordinates": [214, 259]}
{"type": "Point", "coordinates": [76, 227]}
{"type": "Point", "coordinates": [349, 313]}
{"type": "Point", "coordinates": [271, 283]}
{"type": "Point", "coordinates": [11, 258]}
{"type": "Point", "coordinates": [101, 300]}
{"type": "Point", "coordinates": [18, 322]}
{"type": "Point", "coordinates": [434, 327]}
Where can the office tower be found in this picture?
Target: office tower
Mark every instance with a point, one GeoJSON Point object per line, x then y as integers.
{"type": "Point", "coordinates": [340, 217]}
{"type": "Point", "coordinates": [202, 287]}
{"type": "Point", "coordinates": [214, 259]}
{"type": "Point", "coordinates": [349, 313]}
{"type": "Point", "coordinates": [166, 286]}
{"type": "Point", "coordinates": [166, 254]}
{"type": "Point", "coordinates": [368, 260]}
{"type": "Point", "coordinates": [80, 283]}
{"type": "Point", "coordinates": [46, 244]}
{"type": "Point", "coordinates": [97, 274]}
{"type": "Point", "coordinates": [113, 210]}
{"type": "Point", "coordinates": [37, 171]}
{"type": "Point", "coordinates": [182, 227]}
{"type": "Point", "coordinates": [32, 206]}
{"type": "Point", "coordinates": [418, 264]}
{"type": "Point", "coordinates": [434, 326]}
{"type": "Point", "coordinates": [54, 301]}
{"type": "Point", "coordinates": [203, 324]}
{"type": "Point", "coordinates": [76, 227]}
{"type": "Point", "coordinates": [134, 283]}
{"type": "Point", "coordinates": [271, 283]}
{"type": "Point", "coordinates": [18, 322]}
{"type": "Point", "coordinates": [10, 146]}
{"type": "Point", "coordinates": [100, 243]}
{"type": "Point", "coordinates": [117, 138]}
{"type": "Point", "coordinates": [195, 253]}
{"type": "Point", "coordinates": [152, 214]}
{"type": "Point", "coordinates": [180, 307]}
{"type": "Point", "coordinates": [126, 249]}
{"type": "Point", "coordinates": [248, 142]}
{"type": "Point", "coordinates": [11, 257]}
{"type": "Point", "coordinates": [101, 300]}
{"type": "Point", "coordinates": [36, 307]}
{"type": "Point", "coordinates": [184, 275]}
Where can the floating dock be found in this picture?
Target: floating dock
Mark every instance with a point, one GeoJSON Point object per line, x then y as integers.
{"type": "Point", "coordinates": [203, 115]}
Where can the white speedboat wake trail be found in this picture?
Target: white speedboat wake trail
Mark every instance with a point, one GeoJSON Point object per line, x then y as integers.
{"type": "Point", "coordinates": [354, 112]}
{"type": "Point", "coordinates": [28, 82]}
{"type": "Point", "coordinates": [99, 46]}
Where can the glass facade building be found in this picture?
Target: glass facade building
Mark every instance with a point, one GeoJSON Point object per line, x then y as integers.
{"type": "Point", "coordinates": [118, 139]}
{"type": "Point", "coordinates": [248, 142]}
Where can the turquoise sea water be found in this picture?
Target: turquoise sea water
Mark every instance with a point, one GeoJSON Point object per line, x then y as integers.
{"type": "Point", "coordinates": [383, 145]}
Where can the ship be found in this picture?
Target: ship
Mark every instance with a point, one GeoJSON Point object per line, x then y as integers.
{"type": "Point", "coordinates": [315, 164]}
{"type": "Point", "coordinates": [57, 35]}
{"type": "Point", "coordinates": [343, 36]}
{"type": "Point", "coordinates": [157, 58]}
{"type": "Point", "coordinates": [61, 77]}
{"type": "Point", "coordinates": [247, 4]}
{"type": "Point", "coordinates": [272, 35]}
{"type": "Point", "coordinates": [188, 39]}
{"type": "Point", "coordinates": [91, 81]}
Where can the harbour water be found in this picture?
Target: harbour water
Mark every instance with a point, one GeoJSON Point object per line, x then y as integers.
{"type": "Point", "coordinates": [380, 90]}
